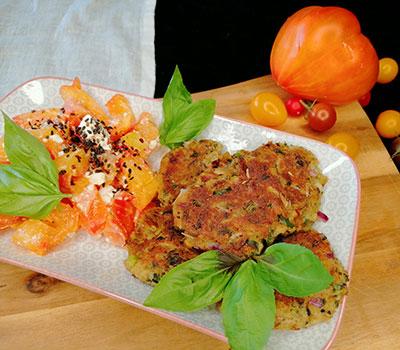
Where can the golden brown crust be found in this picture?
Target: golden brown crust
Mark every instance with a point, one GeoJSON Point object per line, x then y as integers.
{"type": "Point", "coordinates": [156, 247]}
{"type": "Point", "coordinates": [180, 167]}
{"type": "Point", "coordinates": [238, 203]}
{"type": "Point", "coordinates": [250, 199]}
{"type": "Point", "coordinates": [296, 313]}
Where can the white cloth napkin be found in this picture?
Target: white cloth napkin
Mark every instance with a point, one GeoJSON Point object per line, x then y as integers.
{"type": "Point", "coordinates": [110, 43]}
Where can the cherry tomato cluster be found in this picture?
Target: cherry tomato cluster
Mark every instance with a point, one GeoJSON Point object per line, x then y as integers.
{"type": "Point", "coordinates": [321, 116]}
{"type": "Point", "coordinates": [268, 109]}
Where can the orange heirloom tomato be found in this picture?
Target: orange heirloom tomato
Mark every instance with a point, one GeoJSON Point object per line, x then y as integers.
{"type": "Point", "coordinates": [146, 127]}
{"type": "Point", "coordinates": [320, 53]}
{"type": "Point", "coordinates": [35, 118]}
{"type": "Point", "coordinates": [40, 236]}
{"type": "Point", "coordinates": [138, 178]}
{"type": "Point", "coordinates": [122, 115]}
{"type": "Point", "coordinates": [3, 155]}
{"type": "Point", "coordinates": [144, 138]}
{"type": "Point", "coordinates": [80, 102]}
{"type": "Point", "coordinates": [74, 162]}
{"type": "Point", "coordinates": [93, 210]}
{"type": "Point", "coordinates": [50, 137]}
{"type": "Point", "coordinates": [7, 221]}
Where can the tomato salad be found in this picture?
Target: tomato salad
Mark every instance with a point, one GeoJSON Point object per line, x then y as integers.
{"type": "Point", "coordinates": [101, 158]}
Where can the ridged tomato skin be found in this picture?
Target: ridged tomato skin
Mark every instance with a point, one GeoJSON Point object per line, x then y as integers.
{"type": "Point", "coordinates": [320, 53]}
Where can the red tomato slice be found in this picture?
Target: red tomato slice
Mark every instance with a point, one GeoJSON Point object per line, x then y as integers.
{"type": "Point", "coordinates": [119, 222]}
{"type": "Point", "coordinates": [123, 212]}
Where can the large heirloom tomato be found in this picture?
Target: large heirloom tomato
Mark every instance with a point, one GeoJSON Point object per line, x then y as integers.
{"type": "Point", "coordinates": [320, 53]}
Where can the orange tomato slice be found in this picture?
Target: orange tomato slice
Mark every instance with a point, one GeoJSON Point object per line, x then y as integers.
{"type": "Point", "coordinates": [3, 155]}
{"type": "Point", "coordinates": [122, 115]}
{"type": "Point", "coordinates": [7, 221]}
{"type": "Point", "coordinates": [41, 236]}
{"type": "Point", "coordinates": [93, 210]}
{"type": "Point", "coordinates": [80, 102]}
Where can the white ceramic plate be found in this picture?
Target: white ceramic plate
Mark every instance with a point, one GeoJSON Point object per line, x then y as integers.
{"type": "Point", "coordinates": [96, 265]}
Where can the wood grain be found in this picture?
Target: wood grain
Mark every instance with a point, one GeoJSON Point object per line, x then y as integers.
{"type": "Point", "coordinates": [68, 317]}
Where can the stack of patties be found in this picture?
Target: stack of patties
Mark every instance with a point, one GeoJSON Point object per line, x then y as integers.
{"type": "Point", "coordinates": [239, 204]}
{"type": "Point", "coordinates": [157, 245]}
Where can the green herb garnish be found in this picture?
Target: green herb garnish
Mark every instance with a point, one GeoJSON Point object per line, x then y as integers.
{"type": "Point", "coordinates": [183, 119]}
{"type": "Point", "coordinates": [191, 286]}
{"type": "Point", "coordinates": [285, 221]}
{"type": "Point", "coordinates": [29, 186]}
{"type": "Point", "coordinates": [247, 288]}
{"type": "Point", "coordinates": [248, 308]}
{"type": "Point", "coordinates": [222, 191]}
{"type": "Point", "coordinates": [293, 270]}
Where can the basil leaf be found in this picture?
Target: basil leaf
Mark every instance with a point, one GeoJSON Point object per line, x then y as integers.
{"type": "Point", "coordinates": [25, 150]}
{"type": "Point", "coordinates": [24, 193]}
{"type": "Point", "coordinates": [248, 309]}
{"type": "Point", "coordinates": [183, 119]}
{"type": "Point", "coordinates": [175, 98]}
{"type": "Point", "coordinates": [192, 285]}
{"type": "Point", "coordinates": [294, 270]}
{"type": "Point", "coordinates": [200, 115]}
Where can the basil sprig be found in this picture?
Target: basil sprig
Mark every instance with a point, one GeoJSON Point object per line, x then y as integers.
{"type": "Point", "coordinates": [293, 270]}
{"type": "Point", "coordinates": [248, 306]}
{"type": "Point", "coordinates": [29, 186]}
{"type": "Point", "coordinates": [191, 286]}
{"type": "Point", "coordinates": [183, 119]}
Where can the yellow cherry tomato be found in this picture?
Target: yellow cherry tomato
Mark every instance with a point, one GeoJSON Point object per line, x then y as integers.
{"type": "Point", "coordinates": [388, 124]}
{"type": "Point", "coordinates": [345, 142]}
{"type": "Point", "coordinates": [268, 109]}
{"type": "Point", "coordinates": [388, 70]}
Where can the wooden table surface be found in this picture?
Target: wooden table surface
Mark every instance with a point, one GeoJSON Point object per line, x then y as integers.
{"type": "Point", "coordinates": [38, 312]}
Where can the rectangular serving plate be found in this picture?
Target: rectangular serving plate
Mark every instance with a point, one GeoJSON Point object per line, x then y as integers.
{"type": "Point", "coordinates": [96, 265]}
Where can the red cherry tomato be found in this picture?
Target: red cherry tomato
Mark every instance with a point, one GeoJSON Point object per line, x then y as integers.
{"type": "Point", "coordinates": [321, 117]}
{"type": "Point", "coordinates": [364, 100]}
{"type": "Point", "coordinates": [294, 107]}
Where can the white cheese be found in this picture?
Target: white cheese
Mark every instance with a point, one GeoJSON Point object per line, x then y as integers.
{"type": "Point", "coordinates": [107, 194]}
{"type": "Point", "coordinates": [94, 131]}
{"type": "Point", "coordinates": [56, 138]}
{"type": "Point", "coordinates": [82, 199]}
{"type": "Point", "coordinates": [153, 144]}
{"type": "Point", "coordinates": [96, 178]}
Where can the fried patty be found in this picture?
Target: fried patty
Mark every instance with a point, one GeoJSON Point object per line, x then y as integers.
{"type": "Point", "coordinates": [156, 246]}
{"type": "Point", "coordinates": [296, 313]}
{"type": "Point", "coordinates": [244, 201]}
{"type": "Point", "coordinates": [180, 167]}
